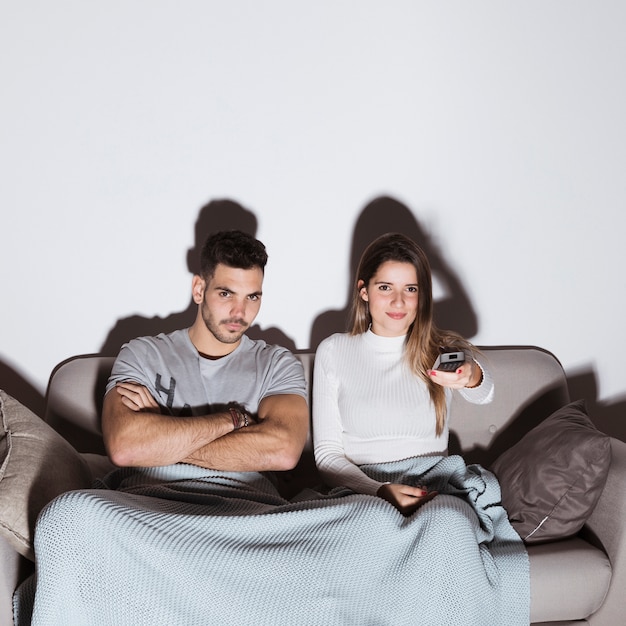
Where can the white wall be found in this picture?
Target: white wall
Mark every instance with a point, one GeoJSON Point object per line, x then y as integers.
{"type": "Point", "coordinates": [499, 126]}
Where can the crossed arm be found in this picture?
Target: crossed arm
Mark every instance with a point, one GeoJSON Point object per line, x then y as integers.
{"type": "Point", "coordinates": [137, 434]}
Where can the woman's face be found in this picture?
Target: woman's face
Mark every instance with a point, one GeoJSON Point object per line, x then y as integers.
{"type": "Point", "coordinates": [392, 298]}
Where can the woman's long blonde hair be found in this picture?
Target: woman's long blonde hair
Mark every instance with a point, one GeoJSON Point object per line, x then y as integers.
{"type": "Point", "coordinates": [424, 340]}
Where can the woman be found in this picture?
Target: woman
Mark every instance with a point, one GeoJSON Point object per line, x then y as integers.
{"type": "Point", "coordinates": [376, 397]}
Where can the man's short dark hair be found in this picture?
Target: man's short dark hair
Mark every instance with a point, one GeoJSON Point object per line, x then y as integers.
{"type": "Point", "coordinates": [233, 248]}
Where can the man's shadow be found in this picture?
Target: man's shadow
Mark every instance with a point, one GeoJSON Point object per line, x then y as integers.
{"type": "Point", "coordinates": [215, 216]}
{"type": "Point", "coordinates": [383, 215]}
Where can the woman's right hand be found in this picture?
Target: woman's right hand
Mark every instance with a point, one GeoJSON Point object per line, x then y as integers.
{"type": "Point", "coordinates": [405, 498]}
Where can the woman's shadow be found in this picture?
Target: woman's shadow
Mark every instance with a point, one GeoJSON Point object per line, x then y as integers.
{"type": "Point", "coordinates": [215, 216]}
{"type": "Point", "coordinates": [384, 214]}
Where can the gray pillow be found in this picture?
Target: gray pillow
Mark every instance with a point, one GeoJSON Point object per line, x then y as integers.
{"type": "Point", "coordinates": [553, 477]}
{"type": "Point", "coordinates": [36, 465]}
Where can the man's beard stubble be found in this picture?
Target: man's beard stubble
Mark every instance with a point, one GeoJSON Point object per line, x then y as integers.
{"type": "Point", "coordinates": [215, 327]}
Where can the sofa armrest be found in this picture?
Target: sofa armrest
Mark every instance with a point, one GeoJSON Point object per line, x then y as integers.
{"type": "Point", "coordinates": [607, 527]}
{"type": "Point", "coordinates": [9, 579]}
{"type": "Point", "coordinates": [14, 568]}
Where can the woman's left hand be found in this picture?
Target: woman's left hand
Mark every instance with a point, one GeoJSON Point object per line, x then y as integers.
{"type": "Point", "coordinates": [467, 375]}
{"type": "Point", "coordinates": [405, 498]}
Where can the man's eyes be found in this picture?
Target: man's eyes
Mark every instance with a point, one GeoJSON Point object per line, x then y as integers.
{"type": "Point", "coordinates": [229, 294]}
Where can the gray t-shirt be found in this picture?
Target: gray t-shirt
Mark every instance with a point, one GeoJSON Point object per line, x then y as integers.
{"type": "Point", "coordinates": [185, 383]}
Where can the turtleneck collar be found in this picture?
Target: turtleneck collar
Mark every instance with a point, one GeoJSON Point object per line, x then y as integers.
{"type": "Point", "coordinates": [384, 344]}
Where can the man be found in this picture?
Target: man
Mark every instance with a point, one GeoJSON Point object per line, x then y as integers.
{"type": "Point", "coordinates": [209, 395]}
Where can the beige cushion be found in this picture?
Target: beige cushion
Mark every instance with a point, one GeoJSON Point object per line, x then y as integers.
{"type": "Point", "coordinates": [569, 580]}
{"type": "Point", "coordinates": [99, 464]}
{"type": "Point", "coordinates": [553, 477]}
{"type": "Point", "coordinates": [36, 465]}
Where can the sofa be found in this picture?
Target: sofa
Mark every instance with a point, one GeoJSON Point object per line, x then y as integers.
{"type": "Point", "coordinates": [576, 578]}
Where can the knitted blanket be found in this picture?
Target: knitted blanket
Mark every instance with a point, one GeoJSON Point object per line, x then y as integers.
{"type": "Point", "coordinates": [180, 545]}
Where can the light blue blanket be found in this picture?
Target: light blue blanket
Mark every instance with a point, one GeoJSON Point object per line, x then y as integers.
{"type": "Point", "coordinates": [182, 545]}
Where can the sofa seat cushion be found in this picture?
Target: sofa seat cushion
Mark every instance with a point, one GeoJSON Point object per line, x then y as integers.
{"type": "Point", "coordinates": [99, 464]}
{"type": "Point", "coordinates": [569, 580]}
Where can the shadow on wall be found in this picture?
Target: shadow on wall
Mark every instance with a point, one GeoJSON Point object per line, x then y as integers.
{"type": "Point", "coordinates": [19, 388]}
{"type": "Point", "coordinates": [610, 418]}
{"type": "Point", "coordinates": [215, 216]}
{"type": "Point", "coordinates": [384, 215]}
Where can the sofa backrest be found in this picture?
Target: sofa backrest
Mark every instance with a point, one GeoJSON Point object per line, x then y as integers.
{"type": "Point", "coordinates": [530, 384]}
{"type": "Point", "coordinates": [74, 399]}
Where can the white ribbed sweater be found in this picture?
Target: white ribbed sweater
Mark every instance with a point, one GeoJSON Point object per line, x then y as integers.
{"type": "Point", "coordinates": [368, 407]}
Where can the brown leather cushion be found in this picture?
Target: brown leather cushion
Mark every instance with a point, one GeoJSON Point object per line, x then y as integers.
{"type": "Point", "coordinates": [552, 478]}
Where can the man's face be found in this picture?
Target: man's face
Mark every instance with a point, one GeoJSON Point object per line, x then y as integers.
{"type": "Point", "coordinates": [229, 301]}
